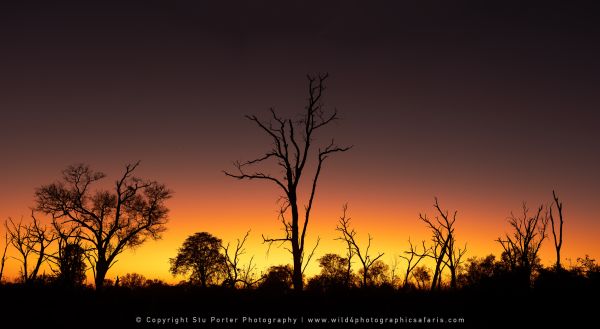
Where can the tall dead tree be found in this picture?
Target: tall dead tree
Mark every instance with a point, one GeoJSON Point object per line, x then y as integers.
{"type": "Point", "coordinates": [108, 221]}
{"type": "Point", "coordinates": [522, 246]}
{"type": "Point", "coordinates": [349, 236]}
{"type": "Point", "coordinates": [6, 243]}
{"type": "Point", "coordinates": [444, 251]}
{"type": "Point", "coordinates": [558, 240]}
{"type": "Point", "coordinates": [292, 143]}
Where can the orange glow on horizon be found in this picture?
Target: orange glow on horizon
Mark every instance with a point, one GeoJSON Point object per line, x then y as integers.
{"type": "Point", "coordinates": [237, 207]}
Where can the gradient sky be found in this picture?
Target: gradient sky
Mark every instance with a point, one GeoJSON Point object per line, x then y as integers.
{"type": "Point", "coordinates": [483, 104]}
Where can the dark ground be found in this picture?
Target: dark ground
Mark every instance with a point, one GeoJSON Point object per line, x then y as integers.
{"type": "Point", "coordinates": [51, 307]}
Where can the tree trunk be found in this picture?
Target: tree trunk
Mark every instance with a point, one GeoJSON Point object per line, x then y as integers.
{"type": "Point", "coordinates": [101, 270]}
{"type": "Point", "coordinates": [296, 251]}
{"type": "Point", "coordinates": [453, 277]}
{"type": "Point", "coordinates": [438, 264]}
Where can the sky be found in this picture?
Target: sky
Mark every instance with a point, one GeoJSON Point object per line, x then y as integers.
{"type": "Point", "coordinates": [482, 104]}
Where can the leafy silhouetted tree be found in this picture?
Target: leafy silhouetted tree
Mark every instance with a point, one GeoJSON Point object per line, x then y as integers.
{"type": "Point", "coordinates": [71, 264]}
{"type": "Point", "coordinates": [522, 246]}
{"type": "Point", "coordinates": [30, 239]}
{"type": "Point", "coordinates": [133, 281]}
{"type": "Point", "coordinates": [378, 274]}
{"type": "Point", "coordinates": [154, 283]}
{"type": "Point", "coordinates": [422, 276]}
{"type": "Point", "coordinates": [349, 236]}
{"type": "Point", "coordinates": [333, 275]}
{"type": "Point", "coordinates": [68, 262]}
{"type": "Point", "coordinates": [586, 266]}
{"type": "Point", "coordinates": [279, 278]}
{"type": "Point", "coordinates": [558, 240]}
{"type": "Point", "coordinates": [109, 221]}
{"type": "Point", "coordinates": [444, 251]}
{"type": "Point", "coordinates": [292, 143]}
{"type": "Point", "coordinates": [478, 271]}
{"type": "Point", "coordinates": [200, 256]}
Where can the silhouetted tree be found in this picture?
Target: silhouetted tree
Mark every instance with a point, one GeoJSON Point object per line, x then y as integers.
{"type": "Point", "coordinates": [153, 283]}
{"type": "Point", "coordinates": [444, 250]}
{"type": "Point", "coordinates": [349, 236]}
{"type": "Point", "coordinates": [234, 271]}
{"type": "Point", "coordinates": [522, 246]}
{"type": "Point", "coordinates": [378, 273]}
{"type": "Point", "coordinates": [279, 278]}
{"type": "Point", "coordinates": [68, 262]}
{"type": "Point", "coordinates": [586, 266]}
{"type": "Point", "coordinates": [133, 281]}
{"type": "Point", "coordinates": [292, 143]}
{"type": "Point", "coordinates": [30, 239]}
{"type": "Point", "coordinates": [71, 264]}
{"type": "Point", "coordinates": [333, 275]}
{"type": "Point", "coordinates": [557, 240]}
{"type": "Point", "coordinates": [6, 243]}
{"type": "Point", "coordinates": [422, 276]}
{"type": "Point", "coordinates": [478, 271]}
{"type": "Point", "coordinates": [109, 221]}
{"type": "Point", "coordinates": [200, 256]}
{"type": "Point", "coordinates": [413, 255]}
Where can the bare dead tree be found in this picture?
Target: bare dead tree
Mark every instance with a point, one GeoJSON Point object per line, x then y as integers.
{"type": "Point", "coordinates": [234, 271]}
{"type": "Point", "coordinates": [349, 236]}
{"type": "Point", "coordinates": [443, 251]}
{"type": "Point", "coordinates": [109, 222]}
{"type": "Point", "coordinates": [18, 233]}
{"type": "Point", "coordinates": [522, 246]}
{"type": "Point", "coordinates": [557, 240]}
{"type": "Point", "coordinates": [41, 237]}
{"type": "Point", "coordinates": [453, 259]}
{"type": "Point", "coordinates": [350, 252]}
{"type": "Point", "coordinates": [248, 277]}
{"type": "Point", "coordinates": [29, 240]}
{"type": "Point", "coordinates": [413, 255]}
{"type": "Point", "coordinates": [292, 144]}
{"type": "Point", "coordinates": [6, 243]}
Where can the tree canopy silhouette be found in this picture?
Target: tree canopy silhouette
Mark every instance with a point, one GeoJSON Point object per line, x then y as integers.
{"type": "Point", "coordinates": [334, 274]}
{"type": "Point", "coordinates": [106, 221]}
{"type": "Point", "coordinates": [71, 264]}
{"type": "Point", "coordinates": [278, 279]}
{"type": "Point", "coordinates": [200, 257]}
{"type": "Point", "coordinates": [133, 280]}
{"type": "Point", "coordinates": [292, 141]}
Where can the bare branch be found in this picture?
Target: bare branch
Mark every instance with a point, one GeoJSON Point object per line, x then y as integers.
{"type": "Point", "coordinates": [348, 235]}
{"type": "Point", "coordinates": [292, 153]}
